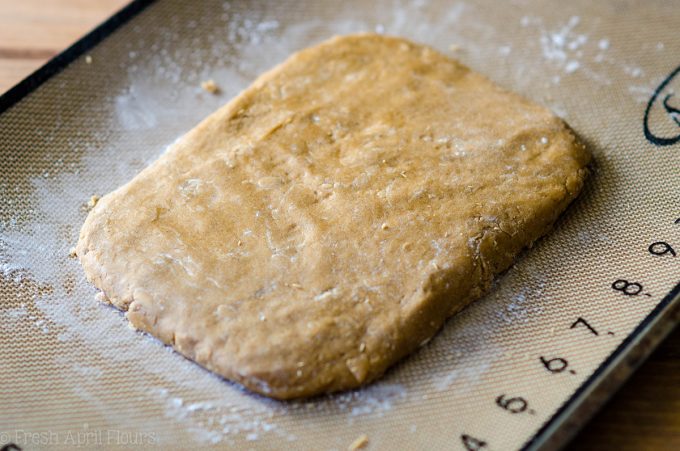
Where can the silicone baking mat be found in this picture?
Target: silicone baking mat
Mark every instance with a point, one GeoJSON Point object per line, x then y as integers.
{"type": "Point", "coordinates": [522, 367]}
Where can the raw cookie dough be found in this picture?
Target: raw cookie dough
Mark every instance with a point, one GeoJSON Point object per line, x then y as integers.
{"type": "Point", "coordinates": [326, 221]}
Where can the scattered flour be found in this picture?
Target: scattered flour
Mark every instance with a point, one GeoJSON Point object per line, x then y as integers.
{"type": "Point", "coordinates": [569, 48]}
{"type": "Point", "coordinates": [518, 309]}
{"type": "Point", "coordinates": [564, 44]}
{"type": "Point", "coordinates": [465, 376]}
{"type": "Point", "coordinates": [16, 313]}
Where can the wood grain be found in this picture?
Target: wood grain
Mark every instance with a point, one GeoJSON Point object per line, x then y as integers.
{"type": "Point", "coordinates": [644, 414]}
{"type": "Point", "coordinates": [32, 31]}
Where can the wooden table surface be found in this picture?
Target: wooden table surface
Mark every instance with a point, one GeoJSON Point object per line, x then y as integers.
{"type": "Point", "coordinates": [644, 414]}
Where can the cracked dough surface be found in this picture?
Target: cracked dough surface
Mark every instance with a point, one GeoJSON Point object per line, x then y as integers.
{"type": "Point", "coordinates": [327, 220]}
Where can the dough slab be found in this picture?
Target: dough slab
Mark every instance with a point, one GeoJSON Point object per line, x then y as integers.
{"type": "Point", "coordinates": [329, 219]}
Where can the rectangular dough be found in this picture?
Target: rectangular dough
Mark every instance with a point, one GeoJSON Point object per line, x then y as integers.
{"type": "Point", "coordinates": [328, 220]}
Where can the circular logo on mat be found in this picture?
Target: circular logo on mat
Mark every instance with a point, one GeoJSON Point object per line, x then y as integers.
{"type": "Point", "coordinates": [662, 115]}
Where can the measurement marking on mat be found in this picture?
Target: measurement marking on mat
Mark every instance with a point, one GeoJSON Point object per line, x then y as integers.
{"type": "Point", "coordinates": [471, 443]}
{"type": "Point", "coordinates": [580, 320]}
{"type": "Point", "coordinates": [516, 404]}
{"type": "Point", "coordinates": [556, 365]}
{"type": "Point", "coordinates": [661, 248]}
{"type": "Point", "coordinates": [560, 365]}
{"type": "Point", "coordinates": [628, 288]}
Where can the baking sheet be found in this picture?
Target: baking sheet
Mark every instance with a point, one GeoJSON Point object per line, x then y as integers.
{"type": "Point", "coordinates": [73, 373]}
